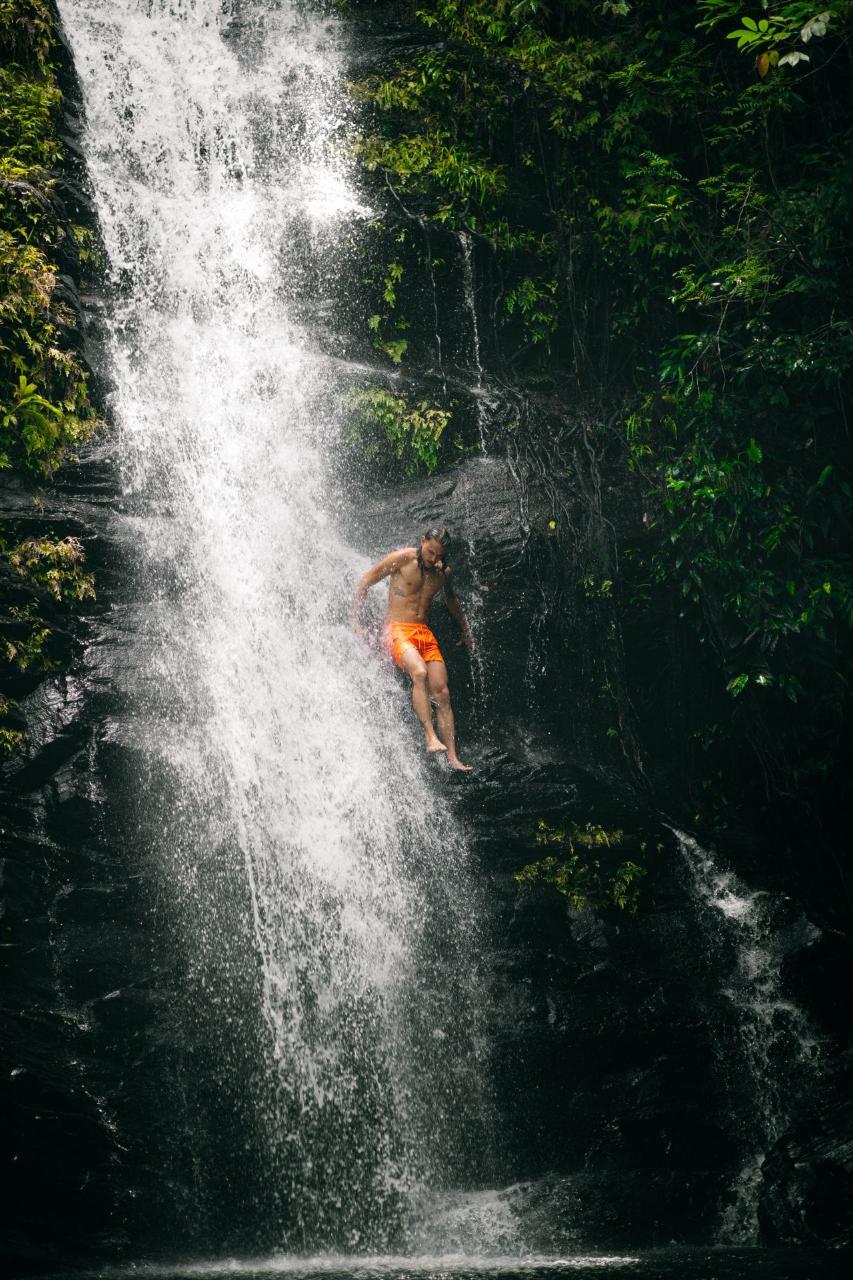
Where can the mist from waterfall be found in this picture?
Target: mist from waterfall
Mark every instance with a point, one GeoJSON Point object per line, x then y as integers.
{"type": "Point", "coordinates": [317, 890]}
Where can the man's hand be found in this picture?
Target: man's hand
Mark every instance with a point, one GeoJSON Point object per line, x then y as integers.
{"type": "Point", "coordinates": [468, 639]}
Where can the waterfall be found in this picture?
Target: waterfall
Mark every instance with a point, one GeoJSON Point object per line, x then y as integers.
{"type": "Point", "coordinates": [774, 1055]}
{"type": "Point", "coordinates": [318, 892]}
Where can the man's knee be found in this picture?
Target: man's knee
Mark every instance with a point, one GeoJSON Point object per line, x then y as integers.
{"type": "Point", "coordinates": [418, 674]}
{"type": "Point", "coordinates": [440, 694]}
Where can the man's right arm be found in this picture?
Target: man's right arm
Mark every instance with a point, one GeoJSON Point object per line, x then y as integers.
{"type": "Point", "coordinates": [387, 565]}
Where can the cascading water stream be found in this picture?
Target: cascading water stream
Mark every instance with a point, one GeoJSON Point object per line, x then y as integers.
{"type": "Point", "coordinates": [470, 303]}
{"type": "Point", "coordinates": [776, 1052]}
{"type": "Point", "coordinates": [481, 405]}
{"type": "Point", "coordinates": [317, 885]}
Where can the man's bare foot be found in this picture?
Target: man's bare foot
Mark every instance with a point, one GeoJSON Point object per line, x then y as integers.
{"type": "Point", "coordinates": [434, 745]}
{"type": "Point", "coordinates": [456, 763]}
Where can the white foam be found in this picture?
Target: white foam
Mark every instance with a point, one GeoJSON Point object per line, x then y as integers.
{"type": "Point", "coordinates": [380, 1265]}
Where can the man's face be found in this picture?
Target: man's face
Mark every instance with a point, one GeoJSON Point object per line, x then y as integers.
{"type": "Point", "coordinates": [432, 553]}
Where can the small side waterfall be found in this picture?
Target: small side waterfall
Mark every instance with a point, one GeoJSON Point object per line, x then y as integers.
{"type": "Point", "coordinates": [317, 889]}
{"type": "Point", "coordinates": [470, 301]}
{"type": "Point", "coordinates": [773, 1053]}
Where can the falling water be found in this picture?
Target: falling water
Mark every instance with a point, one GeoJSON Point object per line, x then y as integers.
{"type": "Point", "coordinates": [317, 888]}
{"type": "Point", "coordinates": [470, 301]}
{"type": "Point", "coordinates": [776, 1051]}
{"type": "Point", "coordinates": [475, 601]}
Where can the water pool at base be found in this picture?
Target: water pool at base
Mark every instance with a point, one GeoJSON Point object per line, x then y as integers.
{"type": "Point", "coordinates": [662, 1264]}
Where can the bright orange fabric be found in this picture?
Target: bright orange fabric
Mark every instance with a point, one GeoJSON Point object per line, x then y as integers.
{"type": "Point", "coordinates": [398, 634]}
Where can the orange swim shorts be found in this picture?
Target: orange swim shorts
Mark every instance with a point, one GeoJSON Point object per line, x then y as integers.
{"type": "Point", "coordinates": [398, 634]}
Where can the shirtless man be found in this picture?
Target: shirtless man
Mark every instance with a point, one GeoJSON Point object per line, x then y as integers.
{"type": "Point", "coordinates": [417, 574]}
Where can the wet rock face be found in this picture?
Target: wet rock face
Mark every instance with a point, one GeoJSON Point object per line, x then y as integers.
{"type": "Point", "coordinates": [70, 918]}
{"type": "Point", "coordinates": [62, 913]}
{"type": "Point", "coordinates": [616, 1043]}
{"type": "Point", "coordinates": [808, 1184]}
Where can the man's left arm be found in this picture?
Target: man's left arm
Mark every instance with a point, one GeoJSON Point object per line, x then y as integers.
{"type": "Point", "coordinates": [455, 609]}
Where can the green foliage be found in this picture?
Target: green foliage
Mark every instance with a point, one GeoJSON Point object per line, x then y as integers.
{"type": "Point", "coordinates": [594, 589]}
{"type": "Point", "coordinates": [25, 638]}
{"type": "Point", "coordinates": [535, 302]}
{"type": "Point", "coordinates": [28, 108]}
{"type": "Point", "coordinates": [10, 739]}
{"type": "Point", "coordinates": [52, 565]}
{"type": "Point", "coordinates": [44, 405]}
{"type": "Point", "coordinates": [386, 326]}
{"type": "Point", "coordinates": [33, 418]}
{"type": "Point", "coordinates": [779, 36]}
{"type": "Point", "coordinates": [581, 878]}
{"type": "Point", "coordinates": [422, 160]}
{"type": "Point", "coordinates": [384, 427]}
{"type": "Point", "coordinates": [27, 31]}
{"type": "Point", "coordinates": [55, 564]}
{"type": "Point", "coordinates": [45, 411]}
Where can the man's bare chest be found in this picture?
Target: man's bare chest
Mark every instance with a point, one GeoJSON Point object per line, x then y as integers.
{"type": "Point", "coordinates": [411, 584]}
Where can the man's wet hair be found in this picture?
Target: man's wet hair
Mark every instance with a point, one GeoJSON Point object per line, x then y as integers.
{"type": "Point", "coordinates": [439, 535]}
{"type": "Point", "coordinates": [436, 534]}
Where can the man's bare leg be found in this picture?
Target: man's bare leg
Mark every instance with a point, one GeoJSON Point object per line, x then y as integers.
{"type": "Point", "coordinates": [416, 668]}
{"type": "Point", "coordinates": [440, 694]}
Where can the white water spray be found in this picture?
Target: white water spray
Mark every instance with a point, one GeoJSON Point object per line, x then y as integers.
{"type": "Point", "coordinates": [322, 892]}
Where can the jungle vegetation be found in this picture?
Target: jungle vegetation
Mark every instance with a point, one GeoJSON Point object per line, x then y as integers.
{"type": "Point", "coordinates": [660, 198]}
{"type": "Point", "coordinates": [45, 407]}
{"type": "Point", "coordinates": [574, 867]}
